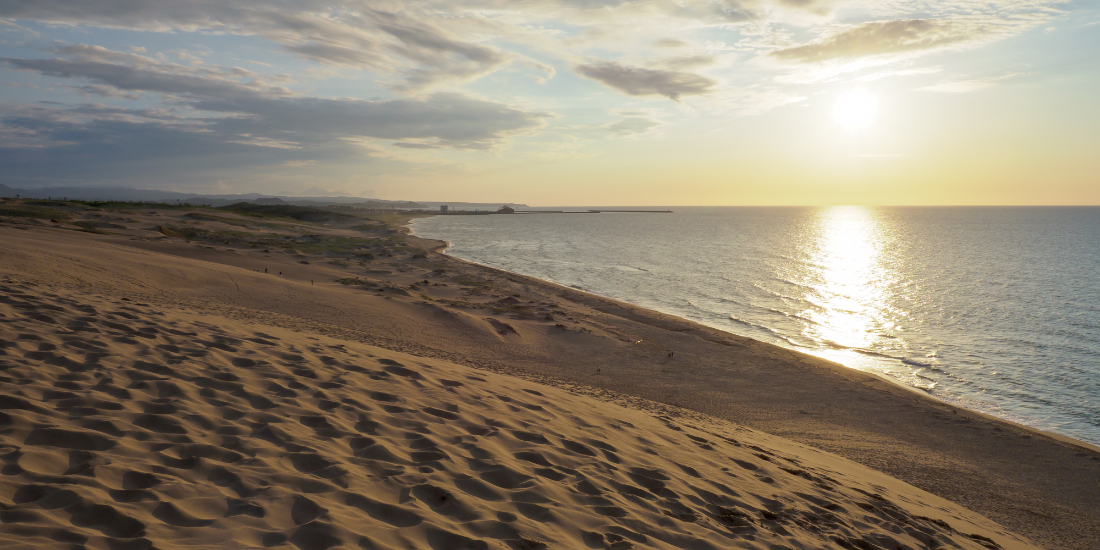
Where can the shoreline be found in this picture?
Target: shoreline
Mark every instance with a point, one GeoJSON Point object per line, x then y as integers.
{"type": "Point", "coordinates": [409, 299]}
{"type": "Point", "coordinates": [442, 249]}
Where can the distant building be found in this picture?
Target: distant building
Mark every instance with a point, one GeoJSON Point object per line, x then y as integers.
{"type": "Point", "coordinates": [443, 209]}
{"type": "Point", "coordinates": [506, 210]}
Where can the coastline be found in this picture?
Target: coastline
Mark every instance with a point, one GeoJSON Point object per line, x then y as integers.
{"type": "Point", "coordinates": [436, 306]}
{"type": "Point", "coordinates": [443, 245]}
{"type": "Point", "coordinates": [949, 482]}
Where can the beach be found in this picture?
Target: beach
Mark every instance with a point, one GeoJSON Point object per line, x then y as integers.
{"type": "Point", "coordinates": [403, 398]}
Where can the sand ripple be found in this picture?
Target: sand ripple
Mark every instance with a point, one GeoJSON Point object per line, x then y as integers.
{"type": "Point", "coordinates": [128, 426]}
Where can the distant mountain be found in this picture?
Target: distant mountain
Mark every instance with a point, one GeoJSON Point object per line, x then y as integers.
{"type": "Point", "coordinates": [152, 195]}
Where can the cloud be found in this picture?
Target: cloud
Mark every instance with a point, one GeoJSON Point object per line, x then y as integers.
{"type": "Point", "coordinates": [884, 37]}
{"type": "Point", "coordinates": [412, 40]}
{"type": "Point", "coordinates": [129, 78]}
{"type": "Point", "coordinates": [960, 87]}
{"type": "Point", "coordinates": [219, 119]}
{"type": "Point", "coordinates": [96, 144]}
{"type": "Point", "coordinates": [670, 43]}
{"type": "Point", "coordinates": [103, 91]}
{"type": "Point", "coordinates": [632, 126]}
{"type": "Point", "coordinates": [415, 145]}
{"type": "Point", "coordinates": [965, 86]}
{"type": "Point", "coordinates": [640, 82]}
{"type": "Point", "coordinates": [686, 62]}
{"type": "Point", "coordinates": [420, 46]}
{"type": "Point", "coordinates": [448, 119]}
{"type": "Point", "coordinates": [336, 54]}
{"type": "Point", "coordinates": [269, 115]}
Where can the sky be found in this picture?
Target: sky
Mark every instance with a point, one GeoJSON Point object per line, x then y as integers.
{"type": "Point", "coordinates": [564, 102]}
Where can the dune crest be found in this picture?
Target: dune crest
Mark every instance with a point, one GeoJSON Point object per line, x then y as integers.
{"type": "Point", "coordinates": [125, 425]}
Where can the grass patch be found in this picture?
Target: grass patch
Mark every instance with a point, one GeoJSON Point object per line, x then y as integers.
{"type": "Point", "coordinates": [287, 211]}
{"type": "Point", "coordinates": [203, 216]}
{"type": "Point", "coordinates": [355, 281]}
{"type": "Point", "coordinates": [36, 212]}
{"type": "Point", "coordinates": [313, 244]}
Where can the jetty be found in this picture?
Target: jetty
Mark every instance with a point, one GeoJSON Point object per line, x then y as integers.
{"type": "Point", "coordinates": [446, 211]}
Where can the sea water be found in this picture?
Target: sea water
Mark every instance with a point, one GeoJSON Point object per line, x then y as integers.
{"type": "Point", "coordinates": [995, 309]}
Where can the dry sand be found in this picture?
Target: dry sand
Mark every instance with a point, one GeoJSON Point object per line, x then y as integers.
{"type": "Point", "coordinates": [440, 308]}
{"type": "Point", "coordinates": [132, 426]}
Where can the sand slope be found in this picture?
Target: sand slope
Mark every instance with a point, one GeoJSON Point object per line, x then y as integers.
{"type": "Point", "coordinates": [428, 305]}
{"type": "Point", "coordinates": [124, 426]}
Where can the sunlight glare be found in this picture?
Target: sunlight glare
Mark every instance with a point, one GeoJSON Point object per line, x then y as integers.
{"type": "Point", "coordinates": [855, 109]}
{"type": "Point", "coordinates": [848, 290]}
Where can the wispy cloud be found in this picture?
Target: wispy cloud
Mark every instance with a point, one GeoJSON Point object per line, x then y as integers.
{"type": "Point", "coordinates": [640, 81]}
{"type": "Point", "coordinates": [273, 113]}
{"type": "Point", "coordinates": [883, 37]}
{"type": "Point", "coordinates": [632, 126]}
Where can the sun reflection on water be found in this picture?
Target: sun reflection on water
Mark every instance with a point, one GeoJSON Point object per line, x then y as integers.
{"type": "Point", "coordinates": [847, 284]}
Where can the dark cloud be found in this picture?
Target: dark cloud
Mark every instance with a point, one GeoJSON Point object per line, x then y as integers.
{"type": "Point", "coordinates": [93, 144]}
{"type": "Point", "coordinates": [882, 37]}
{"type": "Point", "coordinates": [110, 149]}
{"type": "Point", "coordinates": [128, 78]}
{"type": "Point", "coordinates": [451, 119]}
{"type": "Point", "coordinates": [209, 122]}
{"type": "Point", "coordinates": [639, 81]}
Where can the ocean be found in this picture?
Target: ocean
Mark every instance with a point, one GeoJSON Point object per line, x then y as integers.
{"type": "Point", "coordinates": [994, 309]}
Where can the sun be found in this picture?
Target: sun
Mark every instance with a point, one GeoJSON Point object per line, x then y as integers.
{"type": "Point", "coordinates": [855, 109]}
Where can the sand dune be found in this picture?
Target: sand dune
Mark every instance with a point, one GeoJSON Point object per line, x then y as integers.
{"type": "Point", "coordinates": [446, 311]}
{"type": "Point", "coordinates": [125, 426]}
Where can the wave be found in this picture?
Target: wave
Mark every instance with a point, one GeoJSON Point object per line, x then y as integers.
{"type": "Point", "coordinates": [770, 330]}
{"type": "Point", "coordinates": [915, 363]}
{"type": "Point", "coordinates": [863, 351]}
{"type": "Point", "coordinates": [837, 345]}
{"type": "Point", "coordinates": [756, 325]}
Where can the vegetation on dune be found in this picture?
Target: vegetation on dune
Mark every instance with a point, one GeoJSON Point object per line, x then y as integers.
{"type": "Point", "coordinates": [276, 226]}
{"type": "Point", "coordinates": [28, 211]}
{"type": "Point", "coordinates": [127, 205]}
{"type": "Point", "coordinates": [390, 220]}
{"type": "Point", "coordinates": [309, 243]}
{"type": "Point", "coordinates": [203, 216]}
{"type": "Point", "coordinates": [356, 282]}
{"type": "Point", "coordinates": [287, 211]}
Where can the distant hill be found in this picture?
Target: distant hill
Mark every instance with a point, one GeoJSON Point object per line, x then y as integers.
{"type": "Point", "coordinates": [153, 195]}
